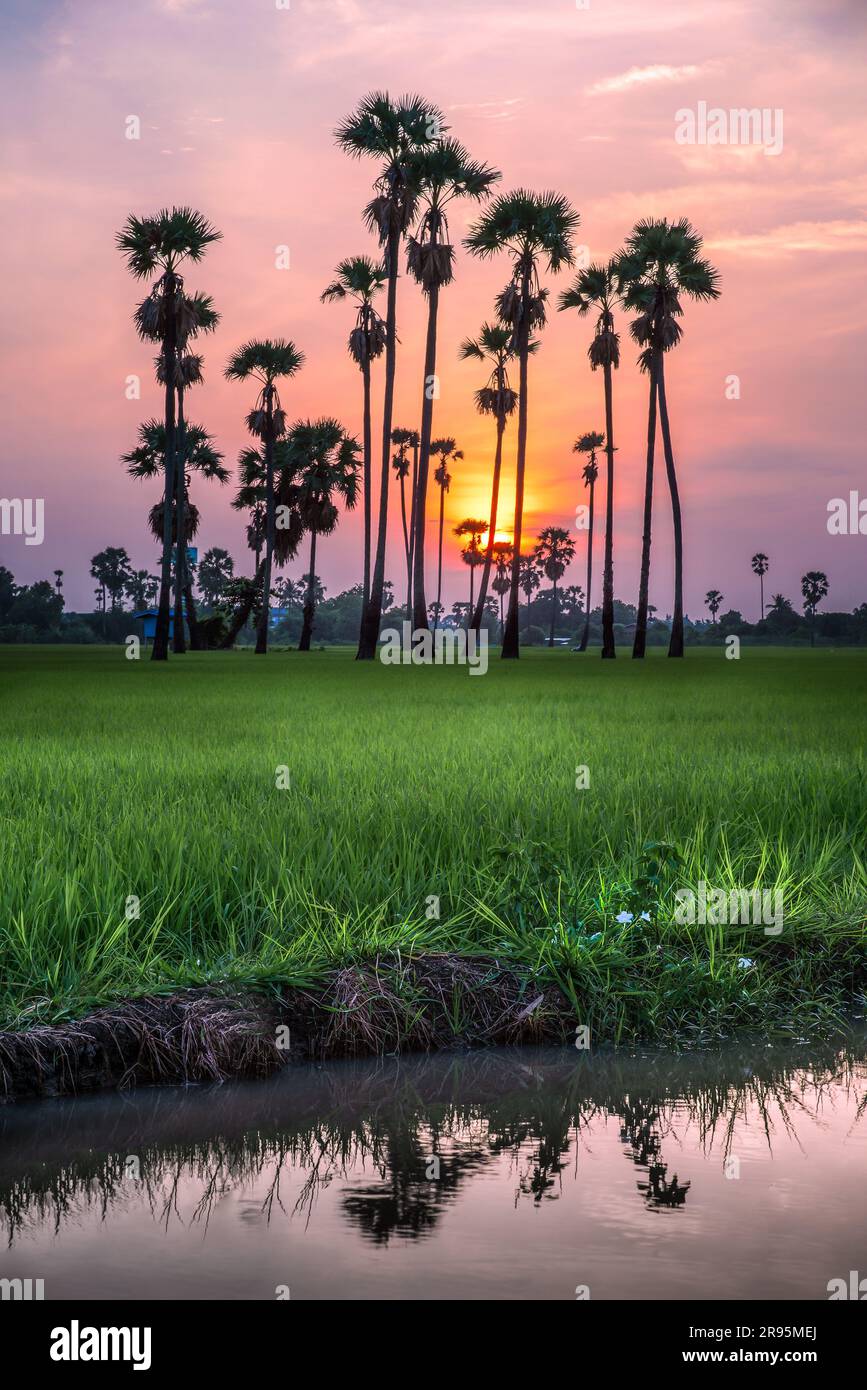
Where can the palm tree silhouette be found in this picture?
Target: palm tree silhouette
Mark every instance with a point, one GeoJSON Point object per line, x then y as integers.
{"type": "Point", "coordinates": [713, 598]}
{"type": "Point", "coordinates": [406, 440]}
{"type": "Point", "coordinates": [471, 554]}
{"type": "Point", "coordinates": [501, 583]}
{"type": "Point", "coordinates": [194, 451]}
{"type": "Point", "coordinates": [394, 132]}
{"type": "Point", "coordinates": [266, 361]}
{"type": "Point", "coordinates": [814, 587]}
{"type": "Point", "coordinates": [361, 278]}
{"type": "Point", "coordinates": [759, 564]}
{"type": "Point", "coordinates": [494, 345]}
{"type": "Point", "coordinates": [158, 245]}
{"type": "Point", "coordinates": [444, 449]}
{"type": "Point", "coordinates": [443, 172]}
{"type": "Point", "coordinates": [326, 463]}
{"type": "Point", "coordinates": [529, 579]}
{"type": "Point", "coordinates": [529, 227]}
{"type": "Point", "coordinates": [660, 265]}
{"type": "Point", "coordinates": [554, 551]}
{"type": "Point", "coordinates": [598, 288]}
{"type": "Point", "coordinates": [588, 444]}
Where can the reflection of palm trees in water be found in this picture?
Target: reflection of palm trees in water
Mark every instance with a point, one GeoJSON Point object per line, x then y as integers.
{"type": "Point", "coordinates": [639, 1131]}
{"type": "Point", "coordinates": [303, 1132]}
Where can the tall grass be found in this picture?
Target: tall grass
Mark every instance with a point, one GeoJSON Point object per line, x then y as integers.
{"type": "Point", "coordinates": [124, 780]}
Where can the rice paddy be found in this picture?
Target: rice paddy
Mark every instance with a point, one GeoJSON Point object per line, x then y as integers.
{"type": "Point", "coordinates": [228, 820]}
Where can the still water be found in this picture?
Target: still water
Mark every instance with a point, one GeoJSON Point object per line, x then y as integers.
{"type": "Point", "coordinates": [515, 1173]}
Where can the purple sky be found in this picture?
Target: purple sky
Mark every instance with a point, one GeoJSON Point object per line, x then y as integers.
{"type": "Point", "coordinates": [237, 104]}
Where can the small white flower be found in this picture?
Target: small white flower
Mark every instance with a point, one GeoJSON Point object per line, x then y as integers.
{"type": "Point", "coordinates": [645, 916]}
{"type": "Point", "coordinates": [744, 962]}
{"type": "Point", "coordinates": [624, 917]}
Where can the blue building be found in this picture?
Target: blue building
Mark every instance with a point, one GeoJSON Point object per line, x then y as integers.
{"type": "Point", "coordinates": [148, 619]}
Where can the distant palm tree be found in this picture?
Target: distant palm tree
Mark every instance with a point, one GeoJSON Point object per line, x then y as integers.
{"type": "Point", "coordinates": [158, 246]}
{"type": "Point", "coordinates": [393, 132]}
{"type": "Point", "coordinates": [443, 172]}
{"type": "Point", "coordinates": [554, 550]}
{"type": "Point", "coordinates": [661, 264]}
{"type": "Point", "coordinates": [111, 569]}
{"type": "Point", "coordinates": [760, 567]}
{"type": "Point", "coordinates": [502, 580]}
{"type": "Point", "coordinates": [361, 278]}
{"type": "Point", "coordinates": [435, 612]}
{"type": "Point", "coordinates": [266, 361]}
{"type": "Point", "coordinates": [713, 598]}
{"type": "Point", "coordinates": [327, 465]}
{"type": "Point", "coordinates": [780, 605]}
{"type": "Point", "coordinates": [529, 227]}
{"type": "Point", "coordinates": [248, 594]}
{"type": "Point", "coordinates": [493, 345]}
{"type": "Point", "coordinates": [58, 581]}
{"type": "Point", "coordinates": [814, 587]}
{"type": "Point", "coordinates": [588, 444]}
{"type": "Point", "coordinates": [529, 578]}
{"type": "Point", "coordinates": [194, 451]}
{"type": "Point", "coordinates": [472, 552]}
{"type": "Point", "coordinates": [598, 288]}
{"type": "Point", "coordinates": [401, 465]}
{"type": "Point", "coordinates": [443, 449]}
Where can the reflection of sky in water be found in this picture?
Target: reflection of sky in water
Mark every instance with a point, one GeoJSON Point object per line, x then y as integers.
{"type": "Point", "coordinates": [511, 1174]}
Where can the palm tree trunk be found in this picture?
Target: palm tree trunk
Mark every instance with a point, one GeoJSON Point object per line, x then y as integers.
{"type": "Point", "coordinates": [762, 593]}
{"type": "Point", "coordinates": [476, 618]}
{"type": "Point", "coordinates": [553, 613]}
{"type": "Point", "coordinates": [440, 565]}
{"type": "Point", "coordinates": [608, 648]}
{"type": "Point", "coordinates": [471, 606]}
{"type": "Point", "coordinates": [419, 612]}
{"type": "Point", "coordinates": [372, 611]}
{"type": "Point", "coordinates": [501, 617]}
{"type": "Point", "coordinates": [196, 643]}
{"type": "Point", "coordinates": [179, 644]}
{"type": "Point", "coordinates": [243, 612]}
{"type": "Point", "coordinates": [585, 636]}
{"type": "Point", "coordinates": [310, 600]}
{"type": "Point", "coordinates": [270, 527]}
{"type": "Point", "coordinates": [675, 645]}
{"type": "Point", "coordinates": [406, 549]}
{"type": "Point", "coordinates": [160, 649]}
{"type": "Point", "coordinates": [368, 456]}
{"type": "Point", "coordinates": [511, 642]}
{"type": "Point", "coordinates": [412, 515]}
{"type": "Point", "coordinates": [640, 641]}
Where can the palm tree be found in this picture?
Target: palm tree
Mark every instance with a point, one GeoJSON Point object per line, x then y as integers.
{"type": "Point", "coordinates": [529, 578]}
{"type": "Point", "coordinates": [58, 581]}
{"type": "Point", "coordinates": [588, 444]}
{"type": "Point", "coordinates": [158, 246]}
{"type": "Point", "coordinates": [501, 582]}
{"type": "Point", "coordinates": [405, 440]}
{"type": "Point", "coordinates": [661, 264]}
{"type": "Point", "coordinates": [471, 554]}
{"type": "Point", "coordinates": [598, 288]}
{"type": "Point", "coordinates": [444, 449]}
{"type": "Point", "coordinates": [496, 397]}
{"type": "Point", "coordinates": [249, 594]}
{"type": "Point", "coordinates": [327, 467]}
{"type": "Point", "coordinates": [713, 598]}
{"type": "Point", "coordinates": [443, 172]}
{"type": "Point", "coordinates": [760, 567]}
{"type": "Point", "coordinates": [530, 227]}
{"type": "Point", "coordinates": [393, 132]}
{"type": "Point", "coordinates": [361, 278]}
{"type": "Point", "coordinates": [780, 605]}
{"type": "Point", "coordinates": [111, 568]}
{"type": "Point", "coordinates": [194, 451]}
{"type": "Point", "coordinates": [814, 587]}
{"type": "Point", "coordinates": [266, 361]}
{"type": "Point", "coordinates": [554, 551]}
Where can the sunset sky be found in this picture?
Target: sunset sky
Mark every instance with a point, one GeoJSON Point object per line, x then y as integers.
{"type": "Point", "coordinates": [238, 103]}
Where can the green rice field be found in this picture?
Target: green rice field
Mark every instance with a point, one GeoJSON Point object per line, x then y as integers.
{"type": "Point", "coordinates": [147, 844]}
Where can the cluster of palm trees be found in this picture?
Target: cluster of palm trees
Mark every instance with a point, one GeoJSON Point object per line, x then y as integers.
{"type": "Point", "coordinates": [293, 478]}
{"type": "Point", "coordinates": [814, 588]}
